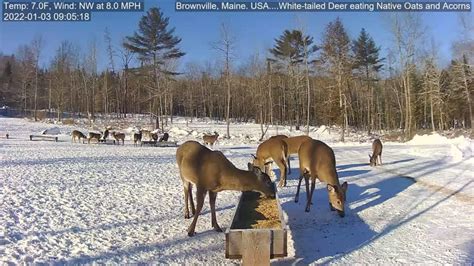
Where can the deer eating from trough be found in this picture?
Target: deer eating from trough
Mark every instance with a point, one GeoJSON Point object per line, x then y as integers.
{"type": "Point", "coordinates": [293, 144]}
{"type": "Point", "coordinates": [276, 150]}
{"type": "Point", "coordinates": [211, 172]}
{"type": "Point", "coordinates": [76, 134]}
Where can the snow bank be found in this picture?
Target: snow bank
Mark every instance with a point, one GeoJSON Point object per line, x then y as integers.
{"type": "Point", "coordinates": [178, 131]}
{"type": "Point", "coordinates": [460, 147]}
{"type": "Point", "coordinates": [432, 139]}
{"type": "Point", "coordinates": [51, 131]}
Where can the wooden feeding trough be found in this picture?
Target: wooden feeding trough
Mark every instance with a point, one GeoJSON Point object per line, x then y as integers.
{"type": "Point", "coordinates": [44, 137]}
{"type": "Point", "coordinates": [159, 143]}
{"type": "Point", "coordinates": [258, 231]}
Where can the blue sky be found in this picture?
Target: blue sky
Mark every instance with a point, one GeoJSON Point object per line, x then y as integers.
{"type": "Point", "coordinates": [253, 30]}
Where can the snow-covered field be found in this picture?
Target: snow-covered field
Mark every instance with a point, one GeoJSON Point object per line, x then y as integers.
{"type": "Point", "coordinates": [79, 203]}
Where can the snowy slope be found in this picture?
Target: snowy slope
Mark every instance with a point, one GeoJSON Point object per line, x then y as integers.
{"type": "Point", "coordinates": [77, 203]}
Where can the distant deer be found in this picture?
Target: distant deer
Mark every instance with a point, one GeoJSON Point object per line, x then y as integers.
{"type": "Point", "coordinates": [376, 153]}
{"type": "Point", "coordinates": [317, 161]}
{"type": "Point", "coordinates": [154, 136]}
{"type": "Point", "coordinates": [210, 139]}
{"type": "Point", "coordinates": [164, 137]}
{"type": "Point", "coordinates": [76, 134]}
{"type": "Point", "coordinates": [210, 171]}
{"type": "Point", "coordinates": [95, 136]}
{"type": "Point", "coordinates": [118, 137]}
{"type": "Point", "coordinates": [146, 134]}
{"type": "Point", "coordinates": [137, 137]}
{"type": "Point", "coordinates": [277, 150]}
{"type": "Point", "coordinates": [105, 135]}
{"type": "Point", "coordinates": [293, 144]}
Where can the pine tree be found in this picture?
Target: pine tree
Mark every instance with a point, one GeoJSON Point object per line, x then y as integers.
{"type": "Point", "coordinates": [292, 51]}
{"type": "Point", "coordinates": [367, 62]}
{"type": "Point", "coordinates": [155, 45]}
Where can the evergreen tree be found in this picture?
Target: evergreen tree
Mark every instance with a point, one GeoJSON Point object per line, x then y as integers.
{"type": "Point", "coordinates": [292, 51]}
{"type": "Point", "coordinates": [156, 46]}
{"type": "Point", "coordinates": [366, 61]}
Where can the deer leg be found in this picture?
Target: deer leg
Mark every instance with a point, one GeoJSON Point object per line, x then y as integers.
{"type": "Point", "coordinates": [308, 204]}
{"type": "Point", "coordinates": [306, 183]}
{"type": "Point", "coordinates": [200, 195]}
{"type": "Point", "coordinates": [288, 162]}
{"type": "Point", "coordinates": [298, 189]}
{"type": "Point", "coordinates": [283, 169]}
{"type": "Point", "coordinates": [212, 202]}
{"type": "Point", "coordinates": [380, 157]}
{"type": "Point", "coordinates": [186, 200]}
{"type": "Point", "coordinates": [191, 201]}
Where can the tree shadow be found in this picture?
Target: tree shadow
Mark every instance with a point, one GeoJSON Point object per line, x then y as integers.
{"type": "Point", "coordinates": [17, 236]}
{"type": "Point", "coordinates": [408, 218]}
{"type": "Point", "coordinates": [321, 233]}
{"type": "Point", "coordinates": [354, 165]}
{"type": "Point", "coordinates": [347, 166]}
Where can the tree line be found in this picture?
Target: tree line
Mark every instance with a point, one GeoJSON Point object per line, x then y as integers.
{"type": "Point", "coordinates": [298, 82]}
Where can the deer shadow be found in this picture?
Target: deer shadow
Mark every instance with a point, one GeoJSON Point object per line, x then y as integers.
{"type": "Point", "coordinates": [322, 234]}
{"type": "Point", "coordinates": [295, 174]}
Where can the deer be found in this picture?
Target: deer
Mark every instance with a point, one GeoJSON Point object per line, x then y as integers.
{"type": "Point", "coordinates": [277, 150]}
{"type": "Point", "coordinates": [210, 139]}
{"type": "Point", "coordinates": [293, 144]}
{"type": "Point", "coordinates": [137, 137]}
{"type": "Point", "coordinates": [118, 137]}
{"type": "Point", "coordinates": [211, 172]}
{"type": "Point", "coordinates": [154, 136]}
{"type": "Point", "coordinates": [76, 134]}
{"type": "Point", "coordinates": [95, 136]}
{"type": "Point", "coordinates": [146, 134]}
{"type": "Point", "coordinates": [165, 137]}
{"type": "Point", "coordinates": [105, 135]}
{"type": "Point", "coordinates": [376, 153]}
{"type": "Point", "coordinates": [317, 161]}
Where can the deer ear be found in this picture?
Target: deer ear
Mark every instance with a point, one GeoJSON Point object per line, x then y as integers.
{"type": "Point", "coordinates": [250, 166]}
{"type": "Point", "coordinates": [255, 157]}
{"type": "Point", "coordinates": [344, 186]}
{"type": "Point", "coordinates": [330, 188]}
{"type": "Point", "coordinates": [370, 157]}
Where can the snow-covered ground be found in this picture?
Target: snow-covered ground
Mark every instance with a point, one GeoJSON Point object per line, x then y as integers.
{"type": "Point", "coordinates": [79, 203]}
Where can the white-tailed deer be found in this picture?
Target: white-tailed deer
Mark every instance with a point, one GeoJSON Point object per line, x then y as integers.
{"type": "Point", "coordinates": [277, 150]}
{"type": "Point", "coordinates": [154, 136]}
{"type": "Point", "coordinates": [95, 136]}
{"type": "Point", "coordinates": [137, 137]}
{"type": "Point", "coordinates": [317, 160]}
{"type": "Point", "coordinates": [146, 135]}
{"type": "Point", "coordinates": [293, 144]}
{"type": "Point", "coordinates": [118, 137]}
{"type": "Point", "coordinates": [165, 137]}
{"type": "Point", "coordinates": [210, 171]}
{"type": "Point", "coordinates": [210, 139]}
{"type": "Point", "coordinates": [376, 153]}
{"type": "Point", "coordinates": [105, 135]}
{"type": "Point", "coordinates": [76, 134]}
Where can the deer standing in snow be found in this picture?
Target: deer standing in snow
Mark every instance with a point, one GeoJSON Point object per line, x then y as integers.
{"type": "Point", "coordinates": [317, 161]}
{"type": "Point", "coordinates": [376, 153]}
{"type": "Point", "coordinates": [211, 172]}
